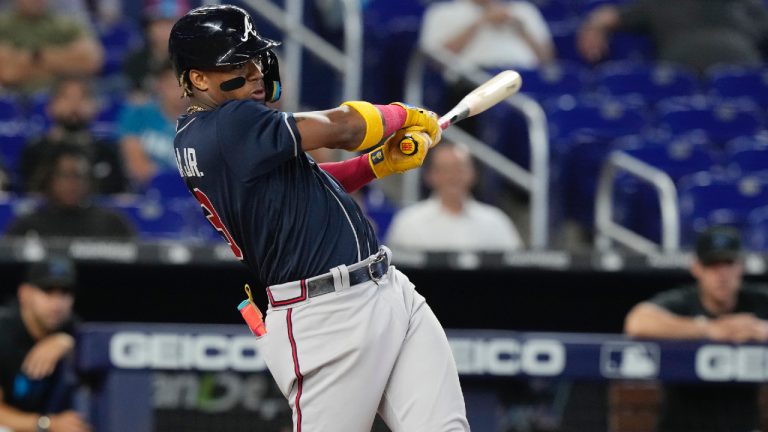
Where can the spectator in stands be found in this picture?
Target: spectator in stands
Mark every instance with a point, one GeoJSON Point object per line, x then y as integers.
{"type": "Point", "coordinates": [488, 33]}
{"type": "Point", "coordinates": [720, 308]}
{"type": "Point", "coordinates": [158, 19]}
{"type": "Point", "coordinates": [147, 129]}
{"type": "Point", "coordinates": [37, 45]}
{"type": "Point", "coordinates": [72, 108]}
{"type": "Point", "coordinates": [694, 33]}
{"type": "Point", "coordinates": [35, 387]}
{"type": "Point", "coordinates": [451, 220]}
{"type": "Point", "coordinates": [67, 211]}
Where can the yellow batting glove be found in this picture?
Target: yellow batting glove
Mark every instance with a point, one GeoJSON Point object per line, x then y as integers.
{"type": "Point", "coordinates": [422, 117]}
{"type": "Point", "coordinates": [389, 159]}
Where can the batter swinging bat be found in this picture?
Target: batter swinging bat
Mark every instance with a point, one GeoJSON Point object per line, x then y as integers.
{"type": "Point", "coordinates": [488, 94]}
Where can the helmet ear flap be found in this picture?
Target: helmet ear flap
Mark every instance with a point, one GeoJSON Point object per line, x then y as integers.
{"type": "Point", "coordinates": [271, 72]}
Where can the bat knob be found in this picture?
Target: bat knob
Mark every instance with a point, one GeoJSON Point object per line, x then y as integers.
{"type": "Point", "coordinates": [408, 146]}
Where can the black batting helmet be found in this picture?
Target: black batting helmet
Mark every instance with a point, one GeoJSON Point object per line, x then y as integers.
{"type": "Point", "coordinates": [222, 35]}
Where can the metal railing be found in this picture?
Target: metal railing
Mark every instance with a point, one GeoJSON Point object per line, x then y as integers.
{"type": "Point", "coordinates": [608, 231]}
{"type": "Point", "coordinates": [348, 62]}
{"type": "Point", "coordinates": [535, 181]}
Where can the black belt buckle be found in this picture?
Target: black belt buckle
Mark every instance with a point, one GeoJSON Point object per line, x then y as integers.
{"type": "Point", "coordinates": [379, 258]}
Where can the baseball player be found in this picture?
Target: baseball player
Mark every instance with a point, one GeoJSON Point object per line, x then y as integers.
{"type": "Point", "coordinates": [347, 334]}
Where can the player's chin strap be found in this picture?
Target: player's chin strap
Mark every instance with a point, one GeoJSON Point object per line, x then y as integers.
{"type": "Point", "coordinates": [271, 70]}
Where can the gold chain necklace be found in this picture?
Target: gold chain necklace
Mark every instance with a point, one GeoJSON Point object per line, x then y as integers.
{"type": "Point", "coordinates": [195, 108]}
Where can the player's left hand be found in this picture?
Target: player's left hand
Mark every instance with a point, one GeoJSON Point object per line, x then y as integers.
{"type": "Point", "coordinates": [389, 159]}
{"type": "Point", "coordinates": [42, 358]}
{"type": "Point", "coordinates": [423, 118]}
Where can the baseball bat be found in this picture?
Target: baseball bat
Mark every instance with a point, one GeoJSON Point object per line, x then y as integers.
{"type": "Point", "coordinates": [486, 95]}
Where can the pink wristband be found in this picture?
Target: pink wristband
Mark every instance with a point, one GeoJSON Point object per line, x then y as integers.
{"type": "Point", "coordinates": [394, 117]}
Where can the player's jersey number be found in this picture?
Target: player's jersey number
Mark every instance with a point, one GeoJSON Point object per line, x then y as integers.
{"type": "Point", "coordinates": [215, 220]}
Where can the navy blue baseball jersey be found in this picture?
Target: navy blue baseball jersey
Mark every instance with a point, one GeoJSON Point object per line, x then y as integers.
{"type": "Point", "coordinates": [282, 215]}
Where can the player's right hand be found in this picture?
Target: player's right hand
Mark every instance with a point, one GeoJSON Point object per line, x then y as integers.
{"type": "Point", "coordinates": [422, 118]}
{"type": "Point", "coordinates": [389, 159]}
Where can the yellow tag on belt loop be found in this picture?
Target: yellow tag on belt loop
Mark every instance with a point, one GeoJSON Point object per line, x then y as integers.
{"type": "Point", "coordinates": [248, 291]}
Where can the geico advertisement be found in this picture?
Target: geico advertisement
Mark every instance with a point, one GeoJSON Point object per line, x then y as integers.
{"type": "Point", "coordinates": [732, 363]}
{"type": "Point", "coordinates": [213, 352]}
{"type": "Point", "coordinates": [170, 351]}
{"type": "Point", "coordinates": [498, 356]}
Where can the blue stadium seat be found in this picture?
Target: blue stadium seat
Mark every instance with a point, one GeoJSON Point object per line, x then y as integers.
{"type": "Point", "coordinates": [7, 213]}
{"type": "Point", "coordinates": [13, 206]}
{"type": "Point", "coordinates": [118, 40]}
{"type": "Point", "coordinates": [379, 209]}
{"type": "Point", "coordinates": [739, 82]}
{"type": "Point", "coordinates": [554, 80]}
{"type": "Point", "coordinates": [601, 116]}
{"type": "Point", "coordinates": [706, 198]}
{"type": "Point", "coordinates": [153, 219]}
{"type": "Point", "coordinates": [564, 38]}
{"type": "Point", "coordinates": [14, 130]}
{"type": "Point", "coordinates": [555, 10]}
{"type": "Point", "coordinates": [756, 234]}
{"type": "Point", "coordinates": [638, 200]}
{"type": "Point", "coordinates": [105, 123]}
{"type": "Point", "coordinates": [747, 154]}
{"type": "Point", "coordinates": [651, 81]}
{"type": "Point", "coordinates": [721, 120]}
{"type": "Point", "coordinates": [168, 184]}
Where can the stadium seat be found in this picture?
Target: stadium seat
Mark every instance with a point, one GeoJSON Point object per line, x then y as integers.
{"type": "Point", "coordinates": [706, 198]}
{"type": "Point", "coordinates": [637, 200]}
{"type": "Point", "coordinates": [756, 234]}
{"type": "Point", "coordinates": [747, 154]}
{"type": "Point", "coordinates": [601, 116]}
{"type": "Point", "coordinates": [13, 206]}
{"type": "Point", "coordinates": [739, 82]}
{"type": "Point", "coordinates": [651, 81]}
{"type": "Point", "coordinates": [7, 213]}
{"type": "Point", "coordinates": [721, 120]}
{"type": "Point", "coordinates": [554, 80]}
{"type": "Point", "coordinates": [379, 209]}
{"type": "Point", "coordinates": [153, 219]}
{"type": "Point", "coordinates": [168, 184]}
{"type": "Point", "coordinates": [14, 130]}
{"type": "Point", "coordinates": [118, 40]}
{"type": "Point", "coordinates": [105, 123]}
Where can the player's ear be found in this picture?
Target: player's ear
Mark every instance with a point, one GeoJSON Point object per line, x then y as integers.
{"type": "Point", "coordinates": [198, 79]}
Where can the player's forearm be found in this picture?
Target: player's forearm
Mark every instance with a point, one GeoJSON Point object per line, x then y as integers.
{"type": "Point", "coordinates": [353, 126]}
{"type": "Point", "coordinates": [16, 420]}
{"type": "Point", "coordinates": [352, 173]}
{"type": "Point", "coordinates": [647, 320]}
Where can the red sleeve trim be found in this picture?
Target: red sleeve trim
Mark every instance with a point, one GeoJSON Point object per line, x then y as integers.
{"type": "Point", "coordinates": [352, 173]}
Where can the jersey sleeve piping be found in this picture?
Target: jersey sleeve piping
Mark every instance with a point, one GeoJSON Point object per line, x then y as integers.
{"type": "Point", "coordinates": [293, 135]}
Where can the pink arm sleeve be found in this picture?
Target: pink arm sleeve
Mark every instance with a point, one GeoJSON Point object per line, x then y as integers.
{"type": "Point", "coordinates": [352, 173]}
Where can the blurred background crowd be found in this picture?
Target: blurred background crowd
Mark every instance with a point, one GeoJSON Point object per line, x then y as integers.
{"type": "Point", "coordinates": [88, 103]}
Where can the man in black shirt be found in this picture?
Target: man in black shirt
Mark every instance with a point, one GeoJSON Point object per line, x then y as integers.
{"type": "Point", "coordinates": [721, 308]}
{"type": "Point", "coordinates": [36, 338]}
